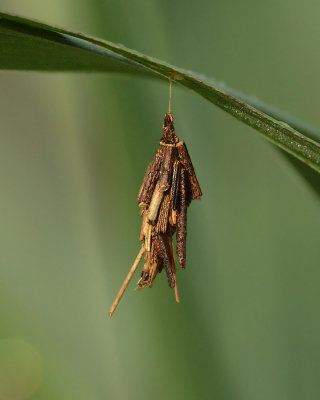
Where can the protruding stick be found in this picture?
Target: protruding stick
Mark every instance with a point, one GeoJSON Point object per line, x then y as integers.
{"type": "Point", "coordinates": [176, 293]}
{"type": "Point", "coordinates": [174, 268]}
{"type": "Point", "coordinates": [127, 281]}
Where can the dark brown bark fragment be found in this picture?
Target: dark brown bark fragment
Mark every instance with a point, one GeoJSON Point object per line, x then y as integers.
{"type": "Point", "coordinates": [182, 220]}
{"type": "Point", "coordinates": [144, 280]}
{"type": "Point", "coordinates": [167, 258]}
{"type": "Point", "coordinates": [168, 152]}
{"type": "Point", "coordinates": [150, 179]}
{"type": "Point", "coordinates": [162, 222]}
{"type": "Point", "coordinates": [188, 188]}
{"type": "Point", "coordinates": [184, 158]}
{"type": "Point", "coordinates": [175, 184]}
{"type": "Point", "coordinates": [160, 265]}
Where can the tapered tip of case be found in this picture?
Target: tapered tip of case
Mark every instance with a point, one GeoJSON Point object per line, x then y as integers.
{"type": "Point", "coordinates": [169, 135]}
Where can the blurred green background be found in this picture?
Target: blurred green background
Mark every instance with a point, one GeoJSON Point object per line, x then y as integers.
{"type": "Point", "coordinates": [73, 151]}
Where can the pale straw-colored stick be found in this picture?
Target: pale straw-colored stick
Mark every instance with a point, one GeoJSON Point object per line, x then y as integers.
{"type": "Point", "coordinates": [176, 290]}
{"type": "Point", "coordinates": [127, 280]}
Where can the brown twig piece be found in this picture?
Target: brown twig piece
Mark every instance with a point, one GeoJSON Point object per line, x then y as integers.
{"type": "Point", "coordinates": [150, 180]}
{"type": "Point", "coordinates": [127, 280]}
{"type": "Point", "coordinates": [187, 163]}
{"type": "Point", "coordinates": [182, 220]}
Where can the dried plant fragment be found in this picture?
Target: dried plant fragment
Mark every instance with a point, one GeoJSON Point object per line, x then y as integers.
{"type": "Point", "coordinates": [155, 203]}
{"type": "Point", "coordinates": [143, 225]}
{"type": "Point", "coordinates": [187, 163]}
{"type": "Point", "coordinates": [175, 184]}
{"type": "Point", "coordinates": [150, 180]}
{"type": "Point", "coordinates": [147, 236]}
{"type": "Point", "coordinates": [182, 220]}
{"type": "Point", "coordinates": [169, 186]}
{"type": "Point", "coordinates": [163, 214]}
{"type": "Point", "coordinates": [168, 151]}
{"type": "Point", "coordinates": [127, 281]}
{"type": "Point", "coordinates": [167, 257]}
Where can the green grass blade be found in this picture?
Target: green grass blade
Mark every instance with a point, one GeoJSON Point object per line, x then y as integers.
{"type": "Point", "coordinates": [30, 45]}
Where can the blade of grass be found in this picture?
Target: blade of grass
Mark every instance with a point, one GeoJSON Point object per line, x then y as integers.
{"type": "Point", "coordinates": [31, 45]}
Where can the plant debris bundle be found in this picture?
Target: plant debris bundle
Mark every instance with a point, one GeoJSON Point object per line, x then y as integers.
{"type": "Point", "coordinates": [169, 186]}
